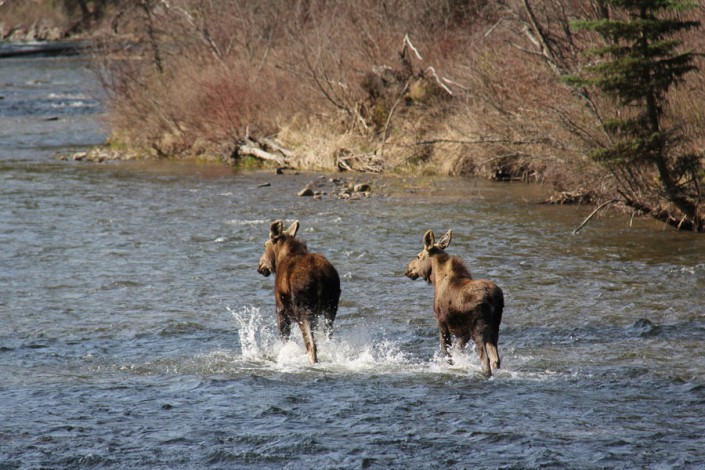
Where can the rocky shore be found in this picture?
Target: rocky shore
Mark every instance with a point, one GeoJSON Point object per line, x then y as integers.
{"type": "Point", "coordinates": [98, 154]}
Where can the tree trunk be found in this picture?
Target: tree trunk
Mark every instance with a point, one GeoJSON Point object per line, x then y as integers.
{"type": "Point", "coordinates": [696, 224]}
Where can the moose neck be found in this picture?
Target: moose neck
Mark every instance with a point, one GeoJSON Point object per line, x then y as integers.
{"type": "Point", "coordinates": [445, 266]}
{"type": "Point", "coordinates": [291, 247]}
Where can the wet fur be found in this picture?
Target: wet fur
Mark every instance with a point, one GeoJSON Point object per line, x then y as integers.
{"type": "Point", "coordinates": [306, 285]}
{"type": "Point", "coordinates": [463, 307]}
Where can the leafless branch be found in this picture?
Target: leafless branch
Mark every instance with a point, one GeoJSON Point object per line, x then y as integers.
{"type": "Point", "coordinates": [592, 214]}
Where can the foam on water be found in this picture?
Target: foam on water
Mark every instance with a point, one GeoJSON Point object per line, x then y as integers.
{"type": "Point", "coordinates": [355, 351]}
{"type": "Point", "coordinates": [242, 222]}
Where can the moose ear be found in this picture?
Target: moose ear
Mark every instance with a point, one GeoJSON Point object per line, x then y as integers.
{"type": "Point", "coordinates": [293, 228]}
{"type": "Point", "coordinates": [428, 240]}
{"type": "Point", "coordinates": [275, 230]}
{"type": "Point", "coordinates": [445, 240]}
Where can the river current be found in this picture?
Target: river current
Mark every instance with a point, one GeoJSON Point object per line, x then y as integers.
{"type": "Point", "coordinates": [135, 331]}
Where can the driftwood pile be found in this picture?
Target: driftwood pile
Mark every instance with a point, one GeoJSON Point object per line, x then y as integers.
{"type": "Point", "coordinates": [268, 149]}
{"type": "Point", "coordinates": [571, 198]}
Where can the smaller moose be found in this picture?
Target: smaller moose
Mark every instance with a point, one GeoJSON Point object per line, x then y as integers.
{"type": "Point", "coordinates": [463, 307]}
{"type": "Point", "coordinates": [306, 285]}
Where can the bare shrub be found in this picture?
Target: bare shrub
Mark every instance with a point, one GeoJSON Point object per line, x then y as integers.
{"type": "Point", "coordinates": [469, 87]}
{"type": "Point", "coordinates": [248, 66]}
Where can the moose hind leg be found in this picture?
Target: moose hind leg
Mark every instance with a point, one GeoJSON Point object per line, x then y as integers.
{"type": "Point", "coordinates": [328, 313]}
{"type": "Point", "coordinates": [494, 355]}
{"type": "Point", "coordinates": [309, 341]}
{"type": "Point", "coordinates": [484, 358]}
{"type": "Point", "coordinates": [492, 347]}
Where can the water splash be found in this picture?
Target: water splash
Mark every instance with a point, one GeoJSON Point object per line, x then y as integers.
{"type": "Point", "coordinates": [256, 333]}
{"type": "Point", "coordinates": [353, 351]}
{"type": "Point", "coordinates": [360, 350]}
{"type": "Point", "coordinates": [356, 351]}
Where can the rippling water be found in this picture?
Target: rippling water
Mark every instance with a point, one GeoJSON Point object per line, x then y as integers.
{"type": "Point", "coordinates": [136, 332]}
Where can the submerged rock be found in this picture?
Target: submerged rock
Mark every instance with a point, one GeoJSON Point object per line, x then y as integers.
{"type": "Point", "coordinates": [307, 191]}
{"type": "Point", "coordinates": [362, 188]}
{"type": "Point", "coordinates": [645, 328]}
{"type": "Point", "coordinates": [342, 189]}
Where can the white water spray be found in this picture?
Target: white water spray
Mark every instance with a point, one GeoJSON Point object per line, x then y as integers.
{"type": "Point", "coordinates": [356, 350]}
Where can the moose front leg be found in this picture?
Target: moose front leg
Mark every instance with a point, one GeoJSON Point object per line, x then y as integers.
{"type": "Point", "coordinates": [445, 340]}
{"type": "Point", "coordinates": [284, 324]}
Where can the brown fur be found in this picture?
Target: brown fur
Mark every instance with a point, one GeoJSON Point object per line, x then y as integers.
{"type": "Point", "coordinates": [463, 307]}
{"type": "Point", "coordinates": [306, 285]}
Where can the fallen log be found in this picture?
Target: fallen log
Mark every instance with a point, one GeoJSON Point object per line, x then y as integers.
{"type": "Point", "coordinates": [252, 148]}
{"type": "Point", "coordinates": [369, 162]}
{"type": "Point", "coordinates": [273, 146]}
{"type": "Point", "coordinates": [249, 150]}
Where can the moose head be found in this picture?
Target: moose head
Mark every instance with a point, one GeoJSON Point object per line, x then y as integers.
{"type": "Point", "coordinates": [272, 247]}
{"type": "Point", "coordinates": [421, 266]}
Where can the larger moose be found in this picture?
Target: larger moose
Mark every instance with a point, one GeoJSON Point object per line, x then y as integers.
{"type": "Point", "coordinates": [462, 306]}
{"type": "Point", "coordinates": [306, 285]}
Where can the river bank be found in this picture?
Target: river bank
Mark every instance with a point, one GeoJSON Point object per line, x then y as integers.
{"type": "Point", "coordinates": [182, 95]}
{"type": "Point", "coordinates": [524, 170]}
{"type": "Point", "coordinates": [400, 113]}
{"type": "Point", "coordinates": [76, 100]}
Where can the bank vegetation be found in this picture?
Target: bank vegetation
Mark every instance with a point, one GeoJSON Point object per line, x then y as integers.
{"type": "Point", "coordinates": [456, 87]}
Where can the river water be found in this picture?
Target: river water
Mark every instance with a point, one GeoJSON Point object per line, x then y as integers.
{"type": "Point", "coordinates": [135, 331]}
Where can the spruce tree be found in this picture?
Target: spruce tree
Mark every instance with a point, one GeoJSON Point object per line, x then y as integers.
{"type": "Point", "coordinates": [640, 63]}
